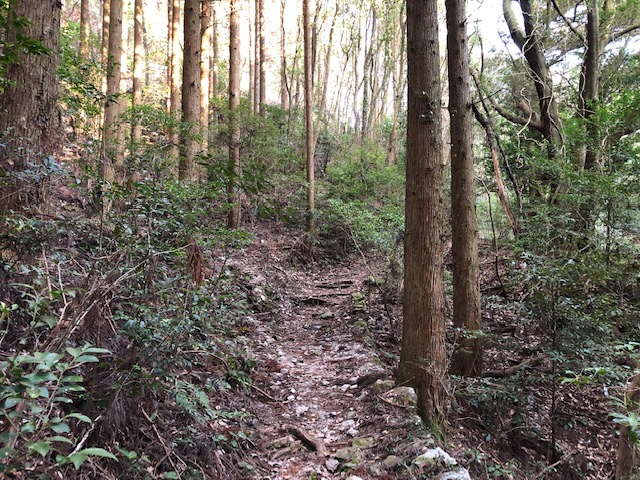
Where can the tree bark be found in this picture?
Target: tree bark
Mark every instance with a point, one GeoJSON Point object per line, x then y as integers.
{"type": "Point", "coordinates": [308, 119]}
{"type": "Point", "coordinates": [234, 168]}
{"type": "Point", "coordinates": [28, 104]}
{"type": "Point", "coordinates": [213, 84]}
{"type": "Point", "coordinates": [190, 144]}
{"type": "Point", "coordinates": [467, 355]}
{"type": "Point", "coordinates": [85, 17]}
{"type": "Point", "coordinates": [628, 461]}
{"type": "Point", "coordinates": [263, 75]}
{"type": "Point", "coordinates": [138, 70]}
{"type": "Point", "coordinates": [106, 19]}
{"type": "Point", "coordinates": [423, 355]}
{"type": "Point", "coordinates": [111, 149]}
{"type": "Point", "coordinates": [528, 41]}
{"type": "Point", "coordinates": [284, 89]}
{"type": "Point", "coordinates": [174, 136]}
{"type": "Point", "coordinates": [398, 92]}
{"type": "Point", "coordinates": [205, 64]}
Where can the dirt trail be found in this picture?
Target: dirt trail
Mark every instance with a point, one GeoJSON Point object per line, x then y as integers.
{"type": "Point", "coordinates": [316, 415]}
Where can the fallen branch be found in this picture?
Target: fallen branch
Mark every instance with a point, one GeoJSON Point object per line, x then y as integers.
{"type": "Point", "coordinates": [307, 439]}
{"type": "Point", "coordinates": [530, 362]}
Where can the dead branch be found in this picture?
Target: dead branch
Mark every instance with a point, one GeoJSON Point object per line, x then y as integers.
{"type": "Point", "coordinates": [307, 439]}
{"type": "Point", "coordinates": [530, 362]}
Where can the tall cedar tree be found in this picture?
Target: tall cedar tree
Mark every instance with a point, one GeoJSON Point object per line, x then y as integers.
{"type": "Point", "coordinates": [189, 142]}
{"type": "Point", "coordinates": [174, 88]}
{"type": "Point", "coordinates": [423, 355]}
{"type": "Point", "coordinates": [467, 357]}
{"type": "Point", "coordinates": [308, 119]}
{"type": "Point", "coordinates": [111, 154]}
{"type": "Point", "coordinates": [234, 168]}
{"type": "Point", "coordinates": [28, 105]}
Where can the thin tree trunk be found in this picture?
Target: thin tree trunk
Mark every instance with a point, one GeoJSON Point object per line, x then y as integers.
{"type": "Point", "coordinates": [263, 76]}
{"type": "Point", "coordinates": [169, 54]}
{"type": "Point", "coordinates": [235, 166]}
{"type": "Point", "coordinates": [284, 95]}
{"type": "Point", "coordinates": [174, 136]}
{"type": "Point", "coordinates": [213, 84]}
{"type": "Point", "coordinates": [398, 93]}
{"type": "Point", "coordinates": [106, 20]}
{"type": "Point", "coordinates": [256, 57]}
{"type": "Point", "coordinates": [85, 17]}
{"type": "Point", "coordinates": [500, 188]}
{"type": "Point", "coordinates": [308, 118]}
{"type": "Point", "coordinates": [205, 63]}
{"type": "Point", "coordinates": [112, 109]}
{"type": "Point", "coordinates": [252, 58]}
{"type": "Point", "coordinates": [467, 355]}
{"type": "Point", "coordinates": [190, 90]}
{"type": "Point", "coordinates": [423, 355]}
{"type": "Point", "coordinates": [136, 129]}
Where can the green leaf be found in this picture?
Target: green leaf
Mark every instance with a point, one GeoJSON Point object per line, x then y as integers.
{"type": "Point", "coordinates": [86, 359]}
{"type": "Point", "coordinates": [62, 399]}
{"type": "Point", "coordinates": [12, 402]}
{"type": "Point", "coordinates": [61, 427]}
{"type": "Point", "coordinates": [41, 447]}
{"type": "Point", "coordinates": [72, 379]}
{"type": "Point", "coordinates": [58, 438]}
{"type": "Point", "coordinates": [78, 458]}
{"type": "Point", "coordinates": [170, 475]}
{"type": "Point", "coordinates": [79, 416]}
{"type": "Point", "coordinates": [71, 388]}
{"type": "Point", "coordinates": [97, 350]}
{"type": "Point", "coordinates": [5, 453]}
{"type": "Point", "coordinates": [74, 351]}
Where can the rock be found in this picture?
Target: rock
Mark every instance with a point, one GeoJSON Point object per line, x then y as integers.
{"type": "Point", "coordinates": [363, 442]}
{"type": "Point", "coordinates": [353, 477]}
{"type": "Point", "coordinates": [462, 474]}
{"type": "Point", "coordinates": [332, 464]}
{"type": "Point", "coordinates": [382, 386]}
{"type": "Point", "coordinates": [348, 424]}
{"type": "Point", "coordinates": [300, 409]}
{"type": "Point", "coordinates": [348, 455]}
{"type": "Point", "coordinates": [434, 456]}
{"type": "Point", "coordinates": [327, 315]}
{"type": "Point", "coordinates": [391, 461]}
{"type": "Point", "coordinates": [404, 396]}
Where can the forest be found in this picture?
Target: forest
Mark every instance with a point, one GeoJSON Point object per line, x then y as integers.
{"type": "Point", "coordinates": [318, 239]}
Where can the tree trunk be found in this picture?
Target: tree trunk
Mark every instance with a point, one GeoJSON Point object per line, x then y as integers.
{"type": "Point", "coordinates": [190, 144]}
{"type": "Point", "coordinates": [628, 462]}
{"type": "Point", "coordinates": [233, 195]}
{"type": "Point", "coordinates": [174, 137]}
{"type": "Point", "coordinates": [308, 121]}
{"type": "Point", "coordinates": [106, 20]}
{"type": "Point", "coordinates": [138, 71]}
{"type": "Point", "coordinates": [528, 41]}
{"type": "Point", "coordinates": [169, 54]}
{"type": "Point", "coordinates": [467, 355]}
{"type": "Point", "coordinates": [85, 17]}
{"type": "Point", "coordinates": [423, 355]}
{"type": "Point", "coordinates": [256, 57]}
{"type": "Point", "coordinates": [28, 105]}
{"type": "Point", "coordinates": [284, 90]}
{"type": "Point", "coordinates": [398, 93]}
{"type": "Point", "coordinates": [263, 76]}
{"type": "Point", "coordinates": [112, 108]}
{"type": "Point", "coordinates": [205, 64]}
{"type": "Point", "coordinates": [213, 84]}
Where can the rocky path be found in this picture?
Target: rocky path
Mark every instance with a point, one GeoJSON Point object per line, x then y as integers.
{"type": "Point", "coordinates": [324, 404]}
